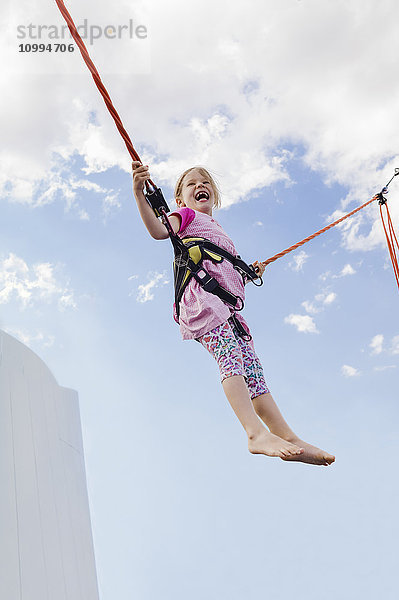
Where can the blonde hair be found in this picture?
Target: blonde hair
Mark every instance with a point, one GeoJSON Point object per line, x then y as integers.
{"type": "Point", "coordinates": [205, 173]}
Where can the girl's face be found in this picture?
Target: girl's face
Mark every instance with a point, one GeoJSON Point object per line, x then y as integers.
{"type": "Point", "coordinates": [197, 192]}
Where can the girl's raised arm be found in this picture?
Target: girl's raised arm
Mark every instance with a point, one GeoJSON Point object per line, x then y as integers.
{"type": "Point", "coordinates": [155, 228]}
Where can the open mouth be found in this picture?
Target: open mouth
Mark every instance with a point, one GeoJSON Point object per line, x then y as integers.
{"type": "Point", "coordinates": [202, 195]}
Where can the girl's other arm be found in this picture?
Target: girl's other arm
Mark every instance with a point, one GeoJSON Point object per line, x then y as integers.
{"type": "Point", "coordinates": [155, 228]}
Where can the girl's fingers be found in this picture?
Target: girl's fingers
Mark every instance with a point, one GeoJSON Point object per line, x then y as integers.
{"type": "Point", "coordinates": [140, 172]}
{"type": "Point", "coordinates": [259, 267]}
{"type": "Point", "coordinates": [141, 169]}
{"type": "Point", "coordinates": [137, 167]}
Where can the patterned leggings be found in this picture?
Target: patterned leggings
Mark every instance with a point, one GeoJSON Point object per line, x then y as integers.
{"type": "Point", "coordinates": [235, 356]}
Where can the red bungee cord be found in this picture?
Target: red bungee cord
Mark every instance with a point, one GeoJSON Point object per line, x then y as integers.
{"type": "Point", "coordinates": [97, 80]}
{"type": "Point", "coordinates": [390, 235]}
{"type": "Point", "coordinates": [392, 240]}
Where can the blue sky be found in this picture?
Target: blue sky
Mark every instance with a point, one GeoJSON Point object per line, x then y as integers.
{"type": "Point", "coordinates": [294, 109]}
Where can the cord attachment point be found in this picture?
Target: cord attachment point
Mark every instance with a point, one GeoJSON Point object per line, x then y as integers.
{"type": "Point", "coordinates": [157, 202]}
{"type": "Point", "coordinates": [381, 199]}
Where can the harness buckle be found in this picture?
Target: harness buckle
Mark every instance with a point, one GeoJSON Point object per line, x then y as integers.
{"type": "Point", "coordinates": [208, 283]}
{"type": "Point", "coordinates": [157, 202]}
{"type": "Point", "coordinates": [181, 260]}
{"type": "Point", "coordinates": [249, 277]}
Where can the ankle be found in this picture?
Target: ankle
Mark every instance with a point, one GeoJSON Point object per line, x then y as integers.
{"type": "Point", "coordinates": [284, 432]}
{"type": "Point", "coordinates": [253, 434]}
{"type": "Point", "coordinates": [290, 437]}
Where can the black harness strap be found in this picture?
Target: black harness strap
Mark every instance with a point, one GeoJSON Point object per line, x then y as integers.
{"type": "Point", "coordinates": [189, 255]}
{"type": "Point", "coordinates": [240, 328]}
{"type": "Point", "coordinates": [247, 271]}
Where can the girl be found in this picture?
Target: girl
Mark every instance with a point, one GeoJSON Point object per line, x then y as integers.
{"type": "Point", "coordinates": [222, 331]}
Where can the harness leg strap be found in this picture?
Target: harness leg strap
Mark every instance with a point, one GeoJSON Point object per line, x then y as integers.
{"type": "Point", "coordinates": [210, 284]}
{"type": "Point", "coordinates": [240, 328]}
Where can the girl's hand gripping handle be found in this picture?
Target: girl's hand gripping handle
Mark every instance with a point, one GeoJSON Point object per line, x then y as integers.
{"type": "Point", "coordinates": [155, 228]}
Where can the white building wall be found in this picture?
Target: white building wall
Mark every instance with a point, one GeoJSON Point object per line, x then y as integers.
{"type": "Point", "coordinates": [46, 547]}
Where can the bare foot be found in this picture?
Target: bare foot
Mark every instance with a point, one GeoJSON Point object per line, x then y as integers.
{"type": "Point", "coordinates": [311, 454]}
{"type": "Point", "coordinates": [272, 445]}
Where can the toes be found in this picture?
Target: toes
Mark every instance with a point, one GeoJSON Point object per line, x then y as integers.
{"type": "Point", "coordinates": [295, 450]}
{"type": "Point", "coordinates": [328, 458]}
{"type": "Point", "coordinates": [284, 453]}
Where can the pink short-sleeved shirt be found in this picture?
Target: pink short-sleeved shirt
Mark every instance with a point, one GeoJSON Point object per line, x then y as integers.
{"type": "Point", "coordinates": [201, 311]}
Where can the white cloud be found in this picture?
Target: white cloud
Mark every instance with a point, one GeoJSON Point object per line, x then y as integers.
{"type": "Point", "coordinates": [303, 323]}
{"type": "Point", "coordinates": [231, 96]}
{"type": "Point", "coordinates": [57, 184]}
{"type": "Point", "coordinates": [376, 344]}
{"type": "Point", "coordinates": [33, 284]}
{"type": "Point", "coordinates": [349, 371]}
{"type": "Point", "coordinates": [329, 298]}
{"type": "Point", "coordinates": [110, 203]}
{"type": "Point", "coordinates": [310, 307]}
{"type": "Point", "coordinates": [347, 270]}
{"type": "Point", "coordinates": [66, 300]}
{"type": "Point", "coordinates": [395, 345]}
{"type": "Point", "coordinates": [326, 298]}
{"type": "Point", "coordinates": [145, 290]}
{"type": "Point", "coordinates": [298, 261]}
{"type": "Point", "coordinates": [320, 301]}
{"type": "Point", "coordinates": [385, 368]}
{"type": "Point", "coordinates": [324, 276]}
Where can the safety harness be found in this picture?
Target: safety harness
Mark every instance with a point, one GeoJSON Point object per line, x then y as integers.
{"type": "Point", "coordinates": [190, 253]}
